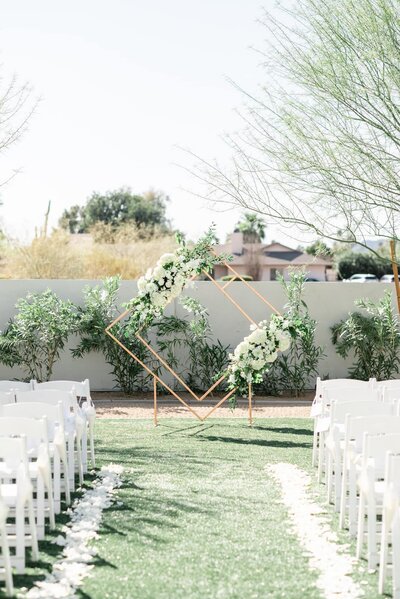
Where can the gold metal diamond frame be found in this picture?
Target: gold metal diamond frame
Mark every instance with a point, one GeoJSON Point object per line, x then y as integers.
{"type": "Point", "coordinates": [157, 379]}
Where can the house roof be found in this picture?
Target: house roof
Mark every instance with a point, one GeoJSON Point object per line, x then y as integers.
{"type": "Point", "coordinates": [272, 254]}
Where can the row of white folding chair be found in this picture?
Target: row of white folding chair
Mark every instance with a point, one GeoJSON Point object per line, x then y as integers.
{"type": "Point", "coordinates": [82, 391]}
{"type": "Point", "coordinates": [323, 424]}
{"type": "Point", "coordinates": [341, 411]}
{"type": "Point", "coordinates": [74, 424]}
{"type": "Point", "coordinates": [79, 388]}
{"type": "Point", "coordinates": [322, 387]}
{"type": "Point", "coordinates": [371, 488]}
{"type": "Point", "coordinates": [355, 428]}
{"type": "Point", "coordinates": [56, 439]}
{"type": "Point", "coordinates": [16, 492]}
{"type": "Point", "coordinates": [391, 524]}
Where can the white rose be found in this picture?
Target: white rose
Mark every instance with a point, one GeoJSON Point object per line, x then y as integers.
{"type": "Point", "coordinates": [257, 364]}
{"type": "Point", "coordinates": [158, 300]}
{"type": "Point", "coordinates": [271, 357]}
{"type": "Point", "coordinates": [142, 283]}
{"type": "Point", "coordinates": [167, 259]}
{"type": "Point", "coordinates": [258, 336]}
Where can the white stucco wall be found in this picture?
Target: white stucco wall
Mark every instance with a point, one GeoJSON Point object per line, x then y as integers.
{"type": "Point", "coordinates": [328, 303]}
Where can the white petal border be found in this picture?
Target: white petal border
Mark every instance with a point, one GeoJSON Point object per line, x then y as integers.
{"type": "Point", "coordinates": [74, 565]}
{"type": "Point", "coordinates": [332, 562]}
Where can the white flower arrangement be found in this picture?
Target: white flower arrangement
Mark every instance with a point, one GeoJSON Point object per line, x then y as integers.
{"type": "Point", "coordinates": [253, 356]}
{"type": "Point", "coordinates": [69, 572]}
{"type": "Point", "coordinates": [172, 273]}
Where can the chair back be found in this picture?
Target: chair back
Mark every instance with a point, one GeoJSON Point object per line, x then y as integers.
{"type": "Point", "coordinates": [376, 447]}
{"type": "Point", "coordinates": [52, 412]}
{"type": "Point", "coordinates": [374, 424]}
{"type": "Point", "coordinates": [15, 386]}
{"type": "Point", "coordinates": [13, 453]}
{"type": "Point", "coordinates": [50, 396]}
{"type": "Point", "coordinates": [340, 409]}
{"type": "Point", "coordinates": [34, 430]}
{"type": "Point", "coordinates": [6, 397]}
{"type": "Point", "coordinates": [388, 384]}
{"type": "Point", "coordinates": [80, 388]}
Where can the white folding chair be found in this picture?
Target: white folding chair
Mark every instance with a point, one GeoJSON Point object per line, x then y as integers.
{"type": "Point", "coordinates": [5, 549]}
{"type": "Point", "coordinates": [371, 487]}
{"type": "Point", "coordinates": [74, 424]}
{"type": "Point", "coordinates": [343, 394]}
{"type": "Point", "coordinates": [36, 434]}
{"type": "Point", "coordinates": [15, 386]}
{"type": "Point", "coordinates": [316, 408]}
{"type": "Point", "coordinates": [396, 554]}
{"type": "Point", "coordinates": [334, 443]}
{"type": "Point", "coordinates": [391, 505]}
{"type": "Point", "coordinates": [16, 492]}
{"type": "Point", "coordinates": [82, 391]}
{"type": "Point", "coordinates": [57, 444]}
{"type": "Point", "coordinates": [355, 427]}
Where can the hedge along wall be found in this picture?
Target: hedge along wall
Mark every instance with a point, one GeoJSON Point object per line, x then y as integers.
{"type": "Point", "coordinates": [328, 303]}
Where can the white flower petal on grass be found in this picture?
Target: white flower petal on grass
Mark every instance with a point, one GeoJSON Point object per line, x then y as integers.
{"type": "Point", "coordinates": [69, 572]}
{"type": "Point", "coordinates": [333, 563]}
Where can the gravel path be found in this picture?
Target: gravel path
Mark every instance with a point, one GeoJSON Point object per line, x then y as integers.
{"type": "Point", "coordinates": [116, 405]}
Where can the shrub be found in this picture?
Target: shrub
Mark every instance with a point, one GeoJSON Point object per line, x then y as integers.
{"type": "Point", "coordinates": [294, 371]}
{"type": "Point", "coordinates": [35, 337]}
{"type": "Point", "coordinates": [372, 339]}
{"type": "Point", "coordinates": [235, 278]}
{"type": "Point", "coordinates": [205, 359]}
{"type": "Point", "coordinates": [352, 263]}
{"type": "Point", "coordinates": [99, 310]}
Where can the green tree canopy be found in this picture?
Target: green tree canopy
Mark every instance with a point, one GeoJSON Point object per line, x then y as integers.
{"type": "Point", "coordinates": [116, 208]}
{"type": "Point", "coordinates": [351, 263]}
{"type": "Point", "coordinates": [252, 226]}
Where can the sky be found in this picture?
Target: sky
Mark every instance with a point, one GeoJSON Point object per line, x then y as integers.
{"type": "Point", "coordinates": [123, 86]}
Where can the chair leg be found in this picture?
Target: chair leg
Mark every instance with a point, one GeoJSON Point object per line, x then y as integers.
{"type": "Point", "coordinates": [371, 529]}
{"type": "Point", "coordinates": [343, 499]}
{"type": "Point", "coordinates": [396, 557]}
{"type": "Point", "coordinates": [84, 448]}
{"type": "Point", "coordinates": [361, 524]}
{"type": "Point", "coordinates": [20, 539]}
{"type": "Point", "coordinates": [91, 434]}
{"type": "Point", "coordinates": [352, 502]}
{"type": "Point", "coordinates": [71, 460]}
{"type": "Point", "coordinates": [7, 563]}
{"type": "Point", "coordinates": [383, 553]}
{"type": "Point", "coordinates": [40, 507]}
{"type": "Point", "coordinates": [315, 446]}
{"type": "Point", "coordinates": [32, 526]}
{"type": "Point", "coordinates": [79, 458]}
{"type": "Point", "coordinates": [57, 482]}
{"type": "Point", "coordinates": [321, 456]}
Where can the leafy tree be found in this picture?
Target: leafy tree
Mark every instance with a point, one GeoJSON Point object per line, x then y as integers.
{"type": "Point", "coordinates": [321, 140]}
{"type": "Point", "coordinates": [35, 337]}
{"type": "Point", "coordinates": [372, 339]}
{"type": "Point", "coordinates": [99, 310]}
{"type": "Point", "coordinates": [351, 263]}
{"type": "Point", "coordinates": [115, 208]}
{"type": "Point", "coordinates": [252, 226]}
{"type": "Point", "coordinates": [319, 248]}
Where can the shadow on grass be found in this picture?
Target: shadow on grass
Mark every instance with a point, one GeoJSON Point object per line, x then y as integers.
{"type": "Point", "coordinates": [284, 430]}
{"type": "Point", "coordinates": [259, 442]}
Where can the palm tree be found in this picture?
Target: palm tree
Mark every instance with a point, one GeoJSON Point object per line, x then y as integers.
{"type": "Point", "coordinates": [252, 226]}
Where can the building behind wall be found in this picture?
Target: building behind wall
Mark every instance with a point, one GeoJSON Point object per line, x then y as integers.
{"type": "Point", "coordinates": [265, 262]}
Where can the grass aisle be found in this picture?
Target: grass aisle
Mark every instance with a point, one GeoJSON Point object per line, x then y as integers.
{"type": "Point", "coordinates": [200, 518]}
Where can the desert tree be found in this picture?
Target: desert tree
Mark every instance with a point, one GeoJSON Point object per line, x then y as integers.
{"type": "Point", "coordinates": [16, 108]}
{"type": "Point", "coordinates": [320, 145]}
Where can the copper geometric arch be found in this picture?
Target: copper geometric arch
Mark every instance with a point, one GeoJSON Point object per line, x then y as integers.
{"type": "Point", "coordinates": [159, 380]}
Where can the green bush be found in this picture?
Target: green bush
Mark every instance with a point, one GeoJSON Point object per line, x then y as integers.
{"type": "Point", "coordinates": [99, 310]}
{"type": "Point", "coordinates": [352, 263]}
{"type": "Point", "coordinates": [35, 337]}
{"type": "Point", "coordinates": [236, 278]}
{"type": "Point", "coordinates": [372, 339]}
{"type": "Point", "coordinates": [296, 369]}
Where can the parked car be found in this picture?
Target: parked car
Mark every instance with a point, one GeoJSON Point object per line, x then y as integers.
{"type": "Point", "coordinates": [388, 279]}
{"type": "Point", "coordinates": [362, 278]}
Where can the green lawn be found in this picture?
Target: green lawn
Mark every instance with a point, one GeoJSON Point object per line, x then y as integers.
{"type": "Point", "coordinates": [200, 518]}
